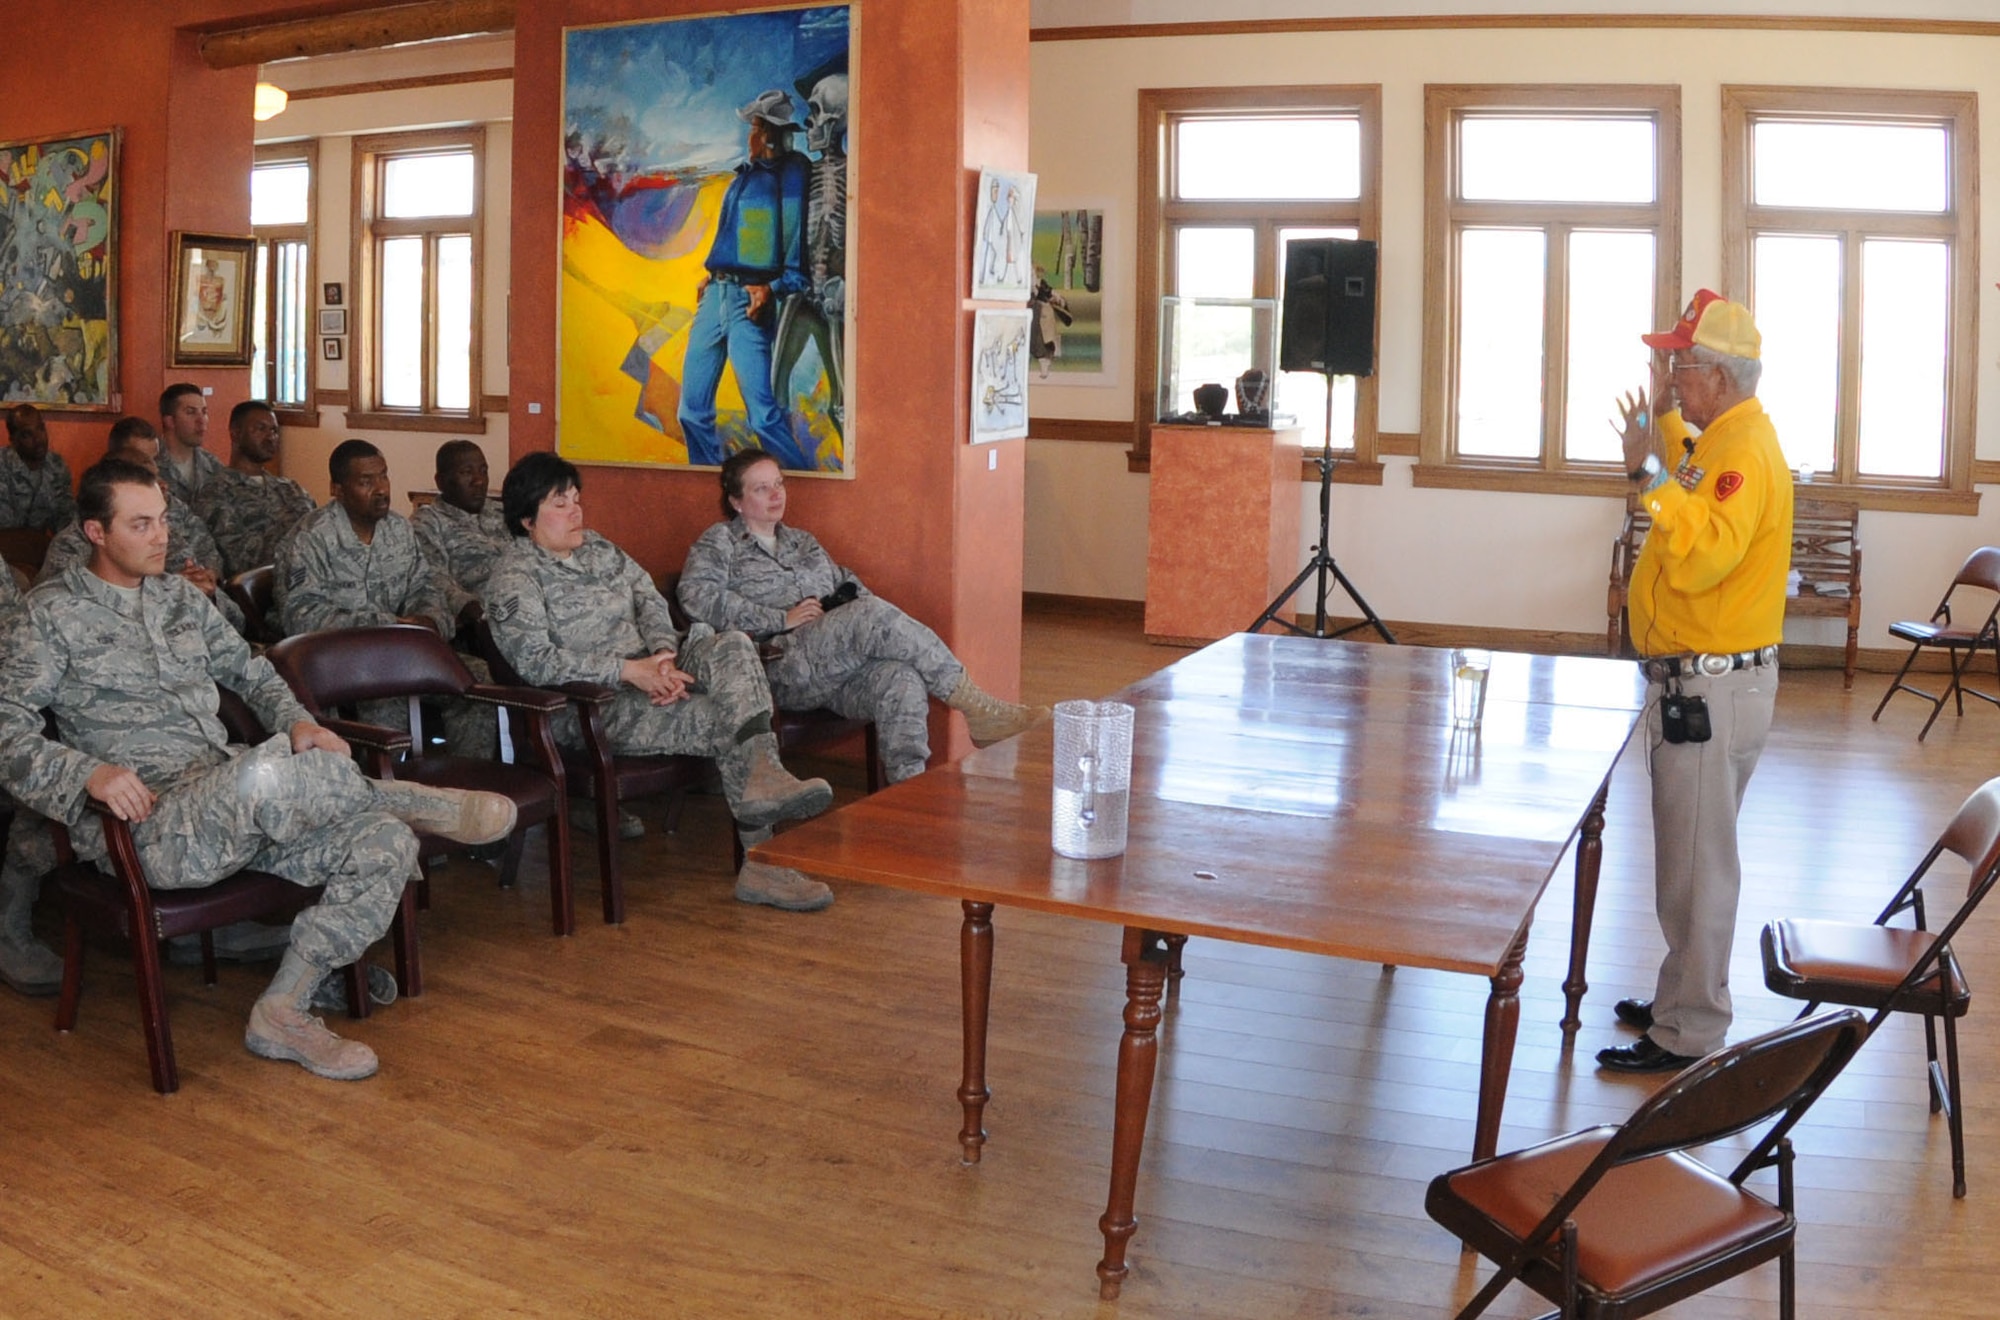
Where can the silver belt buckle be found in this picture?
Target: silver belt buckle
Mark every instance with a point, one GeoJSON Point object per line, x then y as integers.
{"type": "Point", "coordinates": [1715, 665]}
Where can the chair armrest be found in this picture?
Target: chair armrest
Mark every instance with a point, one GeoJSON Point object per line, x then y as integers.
{"type": "Point", "coordinates": [521, 698]}
{"type": "Point", "coordinates": [371, 736]}
{"type": "Point", "coordinates": [591, 694]}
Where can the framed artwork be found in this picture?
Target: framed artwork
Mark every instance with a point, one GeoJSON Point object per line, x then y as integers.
{"type": "Point", "coordinates": [1000, 374]}
{"type": "Point", "coordinates": [706, 209]}
{"type": "Point", "coordinates": [1067, 345]}
{"type": "Point", "coordinates": [213, 274]}
{"type": "Point", "coordinates": [333, 320]}
{"type": "Point", "coordinates": [1001, 268]}
{"type": "Point", "coordinates": [59, 266]}
{"type": "Point", "coordinates": [330, 294]}
{"type": "Point", "coordinates": [330, 349]}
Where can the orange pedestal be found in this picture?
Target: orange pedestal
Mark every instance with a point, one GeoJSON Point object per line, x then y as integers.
{"type": "Point", "coordinates": [1223, 528]}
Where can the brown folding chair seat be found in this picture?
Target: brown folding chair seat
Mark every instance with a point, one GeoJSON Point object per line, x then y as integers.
{"type": "Point", "coordinates": [1980, 572]}
{"type": "Point", "coordinates": [1619, 1221]}
{"type": "Point", "coordinates": [600, 773]}
{"type": "Point", "coordinates": [333, 670]}
{"type": "Point", "coordinates": [123, 904]}
{"type": "Point", "coordinates": [1899, 969]}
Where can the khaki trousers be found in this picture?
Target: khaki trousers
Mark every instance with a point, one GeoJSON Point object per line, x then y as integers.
{"type": "Point", "coordinates": [1697, 792]}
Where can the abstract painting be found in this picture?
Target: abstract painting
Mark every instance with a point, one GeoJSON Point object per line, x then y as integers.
{"type": "Point", "coordinates": [705, 240]}
{"type": "Point", "coordinates": [1068, 297]}
{"type": "Point", "coordinates": [58, 269]}
{"type": "Point", "coordinates": [1000, 266]}
{"type": "Point", "coordinates": [999, 375]}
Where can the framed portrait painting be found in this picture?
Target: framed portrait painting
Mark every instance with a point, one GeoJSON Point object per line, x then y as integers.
{"type": "Point", "coordinates": [704, 250]}
{"type": "Point", "coordinates": [59, 268]}
{"type": "Point", "coordinates": [213, 275]}
{"type": "Point", "coordinates": [1002, 229]}
{"type": "Point", "coordinates": [1000, 374]}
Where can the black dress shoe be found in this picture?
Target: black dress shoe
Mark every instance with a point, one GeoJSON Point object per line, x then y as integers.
{"type": "Point", "coordinates": [1634, 1013]}
{"type": "Point", "coordinates": [1642, 1056]}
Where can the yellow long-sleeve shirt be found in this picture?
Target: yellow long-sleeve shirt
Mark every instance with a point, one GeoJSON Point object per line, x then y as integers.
{"type": "Point", "coordinates": [1711, 576]}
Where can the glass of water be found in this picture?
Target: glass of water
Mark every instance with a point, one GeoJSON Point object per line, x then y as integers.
{"type": "Point", "coordinates": [1093, 778]}
{"type": "Point", "coordinates": [1468, 686]}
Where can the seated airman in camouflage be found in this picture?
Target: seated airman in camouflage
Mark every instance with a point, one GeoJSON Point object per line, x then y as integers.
{"type": "Point", "coordinates": [26, 964]}
{"type": "Point", "coordinates": [248, 507]}
{"type": "Point", "coordinates": [351, 563]}
{"type": "Point", "coordinates": [191, 550]}
{"type": "Point", "coordinates": [34, 481]}
{"type": "Point", "coordinates": [864, 657]}
{"type": "Point", "coordinates": [567, 606]}
{"type": "Point", "coordinates": [127, 658]}
{"type": "Point", "coordinates": [186, 465]}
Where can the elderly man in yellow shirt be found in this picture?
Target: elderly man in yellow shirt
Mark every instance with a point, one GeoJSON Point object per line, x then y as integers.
{"type": "Point", "coordinates": [1708, 606]}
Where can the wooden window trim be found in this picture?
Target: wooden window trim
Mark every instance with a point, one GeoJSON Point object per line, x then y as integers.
{"type": "Point", "coordinates": [1741, 221]}
{"type": "Point", "coordinates": [1158, 107]}
{"type": "Point", "coordinates": [364, 370]}
{"type": "Point", "coordinates": [1552, 472]}
{"type": "Point", "coordinates": [306, 150]}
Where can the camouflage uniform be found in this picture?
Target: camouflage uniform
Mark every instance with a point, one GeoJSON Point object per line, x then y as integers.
{"type": "Point", "coordinates": [249, 514]}
{"type": "Point", "coordinates": [188, 541]}
{"type": "Point", "coordinates": [200, 472]}
{"type": "Point", "coordinates": [866, 659]}
{"type": "Point", "coordinates": [41, 497]}
{"type": "Point", "coordinates": [130, 676]}
{"type": "Point", "coordinates": [326, 578]}
{"type": "Point", "coordinates": [462, 546]}
{"type": "Point", "coordinates": [579, 619]}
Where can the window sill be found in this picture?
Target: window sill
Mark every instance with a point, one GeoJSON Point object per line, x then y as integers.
{"type": "Point", "coordinates": [301, 417]}
{"type": "Point", "coordinates": [1898, 499]}
{"type": "Point", "coordinates": [454, 423]}
{"type": "Point", "coordinates": [1347, 471]}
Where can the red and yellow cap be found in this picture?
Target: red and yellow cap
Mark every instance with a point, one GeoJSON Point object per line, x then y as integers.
{"type": "Point", "coordinates": [1715, 323]}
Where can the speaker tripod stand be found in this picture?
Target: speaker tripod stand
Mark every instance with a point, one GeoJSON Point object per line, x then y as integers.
{"type": "Point", "coordinates": [1322, 564]}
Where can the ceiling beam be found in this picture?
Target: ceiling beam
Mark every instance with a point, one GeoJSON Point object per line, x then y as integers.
{"type": "Point", "coordinates": [360, 29]}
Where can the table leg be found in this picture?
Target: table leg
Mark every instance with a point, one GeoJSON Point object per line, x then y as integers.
{"type": "Point", "coordinates": [1496, 1050]}
{"type": "Point", "coordinates": [975, 969]}
{"type": "Point", "coordinates": [1146, 959]}
{"type": "Point", "coordinates": [1589, 857]}
{"type": "Point", "coordinates": [1175, 944]}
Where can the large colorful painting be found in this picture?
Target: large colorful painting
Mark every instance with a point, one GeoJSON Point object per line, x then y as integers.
{"type": "Point", "coordinates": [705, 241]}
{"type": "Point", "coordinates": [58, 263]}
{"type": "Point", "coordinates": [1068, 297]}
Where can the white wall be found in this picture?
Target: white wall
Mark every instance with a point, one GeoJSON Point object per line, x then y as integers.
{"type": "Point", "coordinates": [334, 121]}
{"type": "Point", "coordinates": [1446, 556]}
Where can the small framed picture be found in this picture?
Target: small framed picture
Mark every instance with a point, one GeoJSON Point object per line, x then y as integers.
{"type": "Point", "coordinates": [212, 275]}
{"type": "Point", "coordinates": [329, 348]}
{"type": "Point", "coordinates": [330, 294]}
{"type": "Point", "coordinates": [333, 320]}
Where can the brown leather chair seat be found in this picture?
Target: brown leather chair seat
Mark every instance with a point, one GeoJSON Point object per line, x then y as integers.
{"type": "Point", "coordinates": [1824, 956]}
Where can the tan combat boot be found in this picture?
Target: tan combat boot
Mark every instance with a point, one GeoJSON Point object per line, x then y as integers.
{"type": "Point", "coordinates": [771, 793]}
{"type": "Point", "coordinates": [461, 815]}
{"type": "Point", "coordinates": [781, 887]}
{"type": "Point", "coordinates": [281, 1028]}
{"type": "Point", "coordinates": [989, 719]}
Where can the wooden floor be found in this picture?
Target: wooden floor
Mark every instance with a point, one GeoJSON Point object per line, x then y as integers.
{"type": "Point", "coordinates": [724, 1111]}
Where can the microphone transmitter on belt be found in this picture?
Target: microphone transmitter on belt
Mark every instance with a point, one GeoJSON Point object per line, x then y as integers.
{"type": "Point", "coordinates": [1684, 719]}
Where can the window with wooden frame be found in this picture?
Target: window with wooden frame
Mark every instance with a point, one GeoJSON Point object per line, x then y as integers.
{"type": "Point", "coordinates": [1551, 243]}
{"type": "Point", "coordinates": [418, 210]}
{"type": "Point", "coordinates": [1850, 226]}
{"type": "Point", "coordinates": [1228, 176]}
{"type": "Point", "coordinates": [284, 205]}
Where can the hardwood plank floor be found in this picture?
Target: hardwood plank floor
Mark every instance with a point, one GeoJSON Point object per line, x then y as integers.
{"type": "Point", "coordinates": [723, 1111]}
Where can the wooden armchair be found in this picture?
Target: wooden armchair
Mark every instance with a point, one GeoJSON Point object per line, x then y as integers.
{"type": "Point", "coordinates": [1826, 552]}
{"type": "Point", "coordinates": [252, 591]}
{"type": "Point", "coordinates": [115, 898]}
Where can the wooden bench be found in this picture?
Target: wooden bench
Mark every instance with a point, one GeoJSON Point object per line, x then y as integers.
{"type": "Point", "coordinates": [1826, 553]}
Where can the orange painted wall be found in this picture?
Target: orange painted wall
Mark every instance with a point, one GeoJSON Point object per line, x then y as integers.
{"type": "Point", "coordinates": [184, 163]}
{"type": "Point", "coordinates": [942, 88]}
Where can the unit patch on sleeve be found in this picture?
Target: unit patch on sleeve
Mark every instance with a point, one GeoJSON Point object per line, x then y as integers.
{"type": "Point", "coordinates": [1727, 484]}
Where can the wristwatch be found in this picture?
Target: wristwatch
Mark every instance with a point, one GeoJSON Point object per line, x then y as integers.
{"type": "Point", "coordinates": [1647, 470]}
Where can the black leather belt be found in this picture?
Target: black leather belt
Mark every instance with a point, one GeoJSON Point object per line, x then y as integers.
{"type": "Point", "coordinates": [1700, 664]}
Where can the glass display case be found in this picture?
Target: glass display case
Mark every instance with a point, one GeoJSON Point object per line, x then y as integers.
{"type": "Point", "coordinates": [1218, 361]}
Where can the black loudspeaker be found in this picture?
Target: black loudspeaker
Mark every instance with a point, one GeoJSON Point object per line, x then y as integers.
{"type": "Point", "coordinates": [1329, 315]}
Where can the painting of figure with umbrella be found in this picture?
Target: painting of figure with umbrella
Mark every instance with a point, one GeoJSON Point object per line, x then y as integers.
{"type": "Point", "coordinates": [705, 241]}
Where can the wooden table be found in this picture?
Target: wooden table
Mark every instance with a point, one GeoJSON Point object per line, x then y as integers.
{"type": "Point", "coordinates": [1286, 791]}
